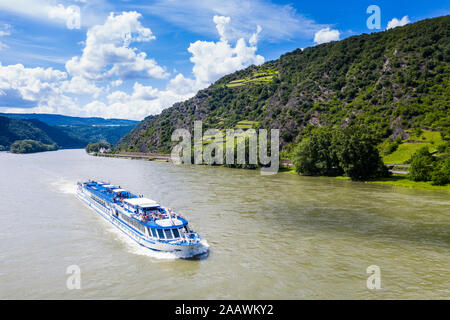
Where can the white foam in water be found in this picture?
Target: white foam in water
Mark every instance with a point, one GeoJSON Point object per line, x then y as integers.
{"type": "Point", "coordinates": [65, 186]}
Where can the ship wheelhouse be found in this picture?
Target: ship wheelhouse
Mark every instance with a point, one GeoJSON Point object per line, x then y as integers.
{"type": "Point", "coordinates": [160, 223]}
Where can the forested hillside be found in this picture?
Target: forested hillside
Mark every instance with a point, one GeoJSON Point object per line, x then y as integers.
{"type": "Point", "coordinates": [12, 130]}
{"type": "Point", "coordinates": [86, 130]}
{"type": "Point", "coordinates": [391, 81]}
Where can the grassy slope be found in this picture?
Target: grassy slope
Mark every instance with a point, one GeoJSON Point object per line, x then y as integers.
{"type": "Point", "coordinates": [430, 139]}
{"type": "Point", "coordinates": [263, 76]}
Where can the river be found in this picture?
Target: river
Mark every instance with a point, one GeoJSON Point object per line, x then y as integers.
{"type": "Point", "coordinates": [270, 237]}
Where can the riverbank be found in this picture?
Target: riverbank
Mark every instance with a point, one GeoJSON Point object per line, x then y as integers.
{"type": "Point", "coordinates": [136, 156]}
{"type": "Point", "coordinates": [403, 181]}
{"type": "Point", "coordinates": [397, 180]}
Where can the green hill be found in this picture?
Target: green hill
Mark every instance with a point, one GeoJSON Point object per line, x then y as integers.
{"type": "Point", "coordinates": [92, 129]}
{"type": "Point", "coordinates": [393, 81]}
{"type": "Point", "coordinates": [12, 130]}
{"type": "Point", "coordinates": [62, 120]}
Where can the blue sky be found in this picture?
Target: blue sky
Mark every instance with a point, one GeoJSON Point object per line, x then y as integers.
{"type": "Point", "coordinates": [129, 59]}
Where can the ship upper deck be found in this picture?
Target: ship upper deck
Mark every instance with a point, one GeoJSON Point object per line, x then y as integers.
{"type": "Point", "coordinates": [148, 212]}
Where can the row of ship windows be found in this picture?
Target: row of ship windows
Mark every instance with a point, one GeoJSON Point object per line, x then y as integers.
{"type": "Point", "coordinates": [133, 222]}
{"type": "Point", "coordinates": [164, 233]}
{"type": "Point", "coordinates": [103, 203]}
{"type": "Point", "coordinates": [156, 233]}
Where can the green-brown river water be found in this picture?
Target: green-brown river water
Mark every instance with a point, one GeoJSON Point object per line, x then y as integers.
{"type": "Point", "coordinates": [270, 237]}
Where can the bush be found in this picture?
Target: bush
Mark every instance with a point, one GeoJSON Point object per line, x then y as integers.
{"type": "Point", "coordinates": [444, 148]}
{"type": "Point", "coordinates": [421, 165]}
{"type": "Point", "coordinates": [417, 132]}
{"type": "Point", "coordinates": [441, 176]}
{"type": "Point", "coordinates": [390, 148]}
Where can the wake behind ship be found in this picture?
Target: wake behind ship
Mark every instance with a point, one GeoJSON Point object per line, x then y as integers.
{"type": "Point", "coordinates": [143, 220]}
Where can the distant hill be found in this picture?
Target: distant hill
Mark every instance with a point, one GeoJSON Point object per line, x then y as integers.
{"type": "Point", "coordinates": [12, 130]}
{"type": "Point", "coordinates": [392, 81]}
{"type": "Point", "coordinates": [62, 120]}
{"type": "Point", "coordinates": [86, 130]}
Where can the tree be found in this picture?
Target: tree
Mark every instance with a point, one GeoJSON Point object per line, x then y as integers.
{"type": "Point", "coordinates": [316, 155]}
{"type": "Point", "coordinates": [351, 151]}
{"type": "Point", "coordinates": [357, 153]}
{"type": "Point", "coordinates": [441, 175]}
{"type": "Point", "coordinates": [421, 165]}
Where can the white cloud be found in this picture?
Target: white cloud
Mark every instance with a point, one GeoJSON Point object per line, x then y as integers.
{"type": "Point", "coordinates": [326, 35]}
{"type": "Point", "coordinates": [92, 12]}
{"type": "Point", "coordinates": [222, 24]}
{"type": "Point", "coordinates": [116, 83]}
{"type": "Point", "coordinates": [144, 92]}
{"type": "Point", "coordinates": [107, 53]}
{"type": "Point", "coordinates": [143, 101]}
{"type": "Point", "coordinates": [70, 15]}
{"type": "Point", "coordinates": [41, 90]}
{"type": "Point", "coordinates": [118, 96]}
{"type": "Point", "coordinates": [34, 8]}
{"type": "Point", "coordinates": [213, 60]}
{"type": "Point", "coordinates": [140, 92]}
{"type": "Point", "coordinates": [108, 56]}
{"type": "Point", "coordinates": [4, 31]}
{"type": "Point", "coordinates": [45, 11]}
{"type": "Point", "coordinates": [32, 84]}
{"type": "Point", "coordinates": [397, 23]}
{"type": "Point", "coordinates": [34, 90]}
{"type": "Point", "coordinates": [182, 85]}
{"type": "Point", "coordinates": [253, 41]}
{"type": "Point", "coordinates": [79, 85]}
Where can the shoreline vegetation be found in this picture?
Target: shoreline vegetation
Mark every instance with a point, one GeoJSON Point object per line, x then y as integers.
{"type": "Point", "coordinates": [357, 153]}
{"type": "Point", "coordinates": [134, 156]}
{"type": "Point", "coordinates": [396, 180]}
{"type": "Point", "coordinates": [31, 146]}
